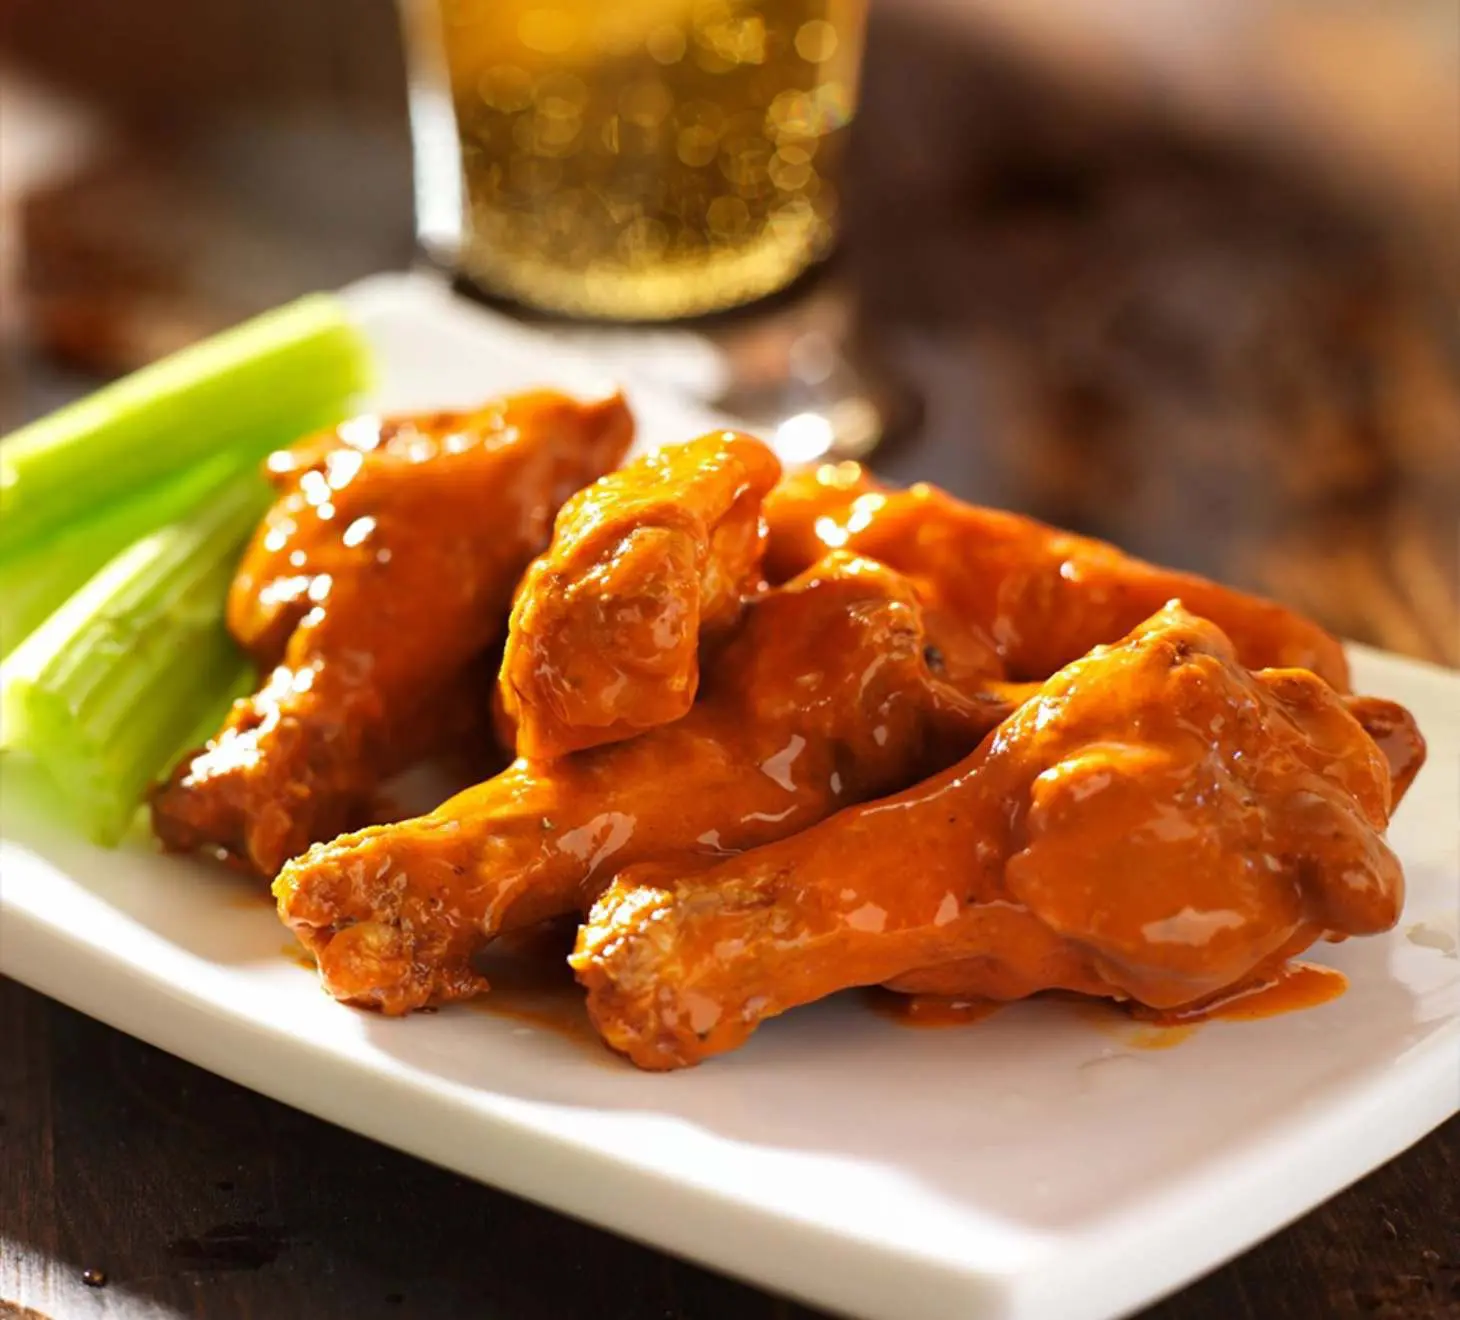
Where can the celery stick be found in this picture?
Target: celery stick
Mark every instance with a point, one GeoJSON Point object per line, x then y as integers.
{"type": "Point", "coordinates": [36, 581]}
{"type": "Point", "coordinates": [220, 702]}
{"type": "Point", "coordinates": [243, 681]}
{"type": "Point", "coordinates": [104, 692]}
{"type": "Point", "coordinates": [254, 388]}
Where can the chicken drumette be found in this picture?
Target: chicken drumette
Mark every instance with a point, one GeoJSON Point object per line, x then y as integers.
{"type": "Point", "coordinates": [1010, 597]}
{"type": "Point", "coordinates": [607, 625]}
{"type": "Point", "coordinates": [822, 698]}
{"type": "Point", "coordinates": [380, 577]}
{"type": "Point", "coordinates": [1157, 824]}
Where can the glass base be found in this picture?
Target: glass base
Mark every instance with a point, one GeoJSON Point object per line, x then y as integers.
{"type": "Point", "coordinates": [790, 369]}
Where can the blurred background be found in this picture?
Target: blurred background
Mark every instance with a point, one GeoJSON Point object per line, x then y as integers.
{"type": "Point", "coordinates": [1183, 276]}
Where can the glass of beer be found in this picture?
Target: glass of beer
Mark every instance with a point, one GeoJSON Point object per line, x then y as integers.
{"type": "Point", "coordinates": [631, 160]}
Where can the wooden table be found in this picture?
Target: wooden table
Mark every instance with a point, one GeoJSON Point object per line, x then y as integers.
{"type": "Point", "coordinates": [1101, 319]}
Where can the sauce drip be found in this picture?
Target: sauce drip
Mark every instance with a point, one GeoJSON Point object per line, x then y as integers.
{"type": "Point", "coordinates": [931, 1010]}
{"type": "Point", "coordinates": [1124, 1023]}
{"type": "Point", "coordinates": [532, 983]}
{"type": "Point", "coordinates": [1296, 986]}
{"type": "Point", "coordinates": [1159, 1036]}
{"type": "Point", "coordinates": [296, 953]}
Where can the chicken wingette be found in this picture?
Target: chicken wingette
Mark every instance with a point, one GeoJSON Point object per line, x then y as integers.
{"type": "Point", "coordinates": [645, 565]}
{"type": "Point", "coordinates": [381, 575]}
{"type": "Point", "coordinates": [1010, 596]}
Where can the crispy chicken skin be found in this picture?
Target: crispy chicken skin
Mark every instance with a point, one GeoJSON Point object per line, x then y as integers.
{"type": "Point", "coordinates": [1007, 595]}
{"type": "Point", "coordinates": [822, 698]}
{"type": "Point", "coordinates": [1158, 824]}
{"type": "Point", "coordinates": [383, 572]}
{"type": "Point", "coordinates": [605, 635]}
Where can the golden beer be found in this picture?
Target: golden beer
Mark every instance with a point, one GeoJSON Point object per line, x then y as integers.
{"type": "Point", "coordinates": [648, 159]}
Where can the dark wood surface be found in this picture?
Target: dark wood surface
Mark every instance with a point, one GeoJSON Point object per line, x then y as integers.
{"type": "Point", "coordinates": [1097, 316]}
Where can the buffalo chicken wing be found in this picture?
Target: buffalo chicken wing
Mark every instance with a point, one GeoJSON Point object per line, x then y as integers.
{"type": "Point", "coordinates": [1158, 824]}
{"type": "Point", "coordinates": [823, 698]}
{"type": "Point", "coordinates": [775, 738]}
{"type": "Point", "coordinates": [1010, 596]}
{"type": "Point", "coordinates": [606, 628]}
{"type": "Point", "coordinates": [373, 587]}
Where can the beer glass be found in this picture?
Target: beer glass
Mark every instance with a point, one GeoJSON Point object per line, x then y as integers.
{"type": "Point", "coordinates": [641, 159]}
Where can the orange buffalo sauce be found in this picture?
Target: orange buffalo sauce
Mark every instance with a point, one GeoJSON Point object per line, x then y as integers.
{"type": "Point", "coordinates": [297, 954]}
{"type": "Point", "coordinates": [531, 983]}
{"type": "Point", "coordinates": [1297, 985]}
{"type": "Point", "coordinates": [931, 1010]}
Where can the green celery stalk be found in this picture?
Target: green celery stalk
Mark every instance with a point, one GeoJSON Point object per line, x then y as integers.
{"type": "Point", "coordinates": [204, 730]}
{"type": "Point", "coordinates": [106, 690]}
{"type": "Point", "coordinates": [254, 388]}
{"type": "Point", "coordinates": [35, 581]}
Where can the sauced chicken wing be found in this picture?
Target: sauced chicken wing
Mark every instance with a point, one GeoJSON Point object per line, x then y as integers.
{"type": "Point", "coordinates": [1158, 824]}
{"type": "Point", "coordinates": [383, 572]}
{"type": "Point", "coordinates": [1388, 724]}
{"type": "Point", "coordinates": [605, 634]}
{"type": "Point", "coordinates": [1011, 596]}
{"type": "Point", "coordinates": [822, 698]}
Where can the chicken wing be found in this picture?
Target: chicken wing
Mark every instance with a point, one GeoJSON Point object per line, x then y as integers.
{"type": "Point", "coordinates": [1394, 732]}
{"type": "Point", "coordinates": [384, 570]}
{"type": "Point", "coordinates": [605, 634]}
{"type": "Point", "coordinates": [822, 698]}
{"type": "Point", "coordinates": [1158, 824]}
{"type": "Point", "coordinates": [1007, 595]}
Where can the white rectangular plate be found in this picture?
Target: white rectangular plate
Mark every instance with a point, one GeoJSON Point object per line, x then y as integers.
{"type": "Point", "coordinates": [1036, 1165]}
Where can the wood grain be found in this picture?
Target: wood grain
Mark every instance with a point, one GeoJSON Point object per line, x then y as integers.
{"type": "Point", "coordinates": [1103, 320]}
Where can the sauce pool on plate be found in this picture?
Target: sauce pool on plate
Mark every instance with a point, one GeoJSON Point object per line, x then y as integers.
{"type": "Point", "coordinates": [1299, 985]}
{"type": "Point", "coordinates": [1296, 986]}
